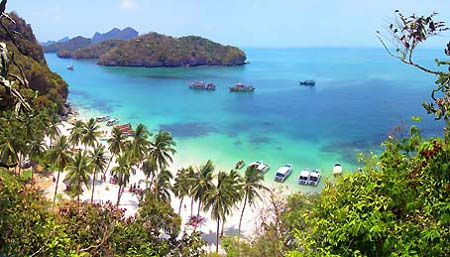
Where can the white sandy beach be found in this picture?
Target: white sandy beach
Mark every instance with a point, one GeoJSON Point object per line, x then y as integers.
{"type": "Point", "coordinates": [105, 191]}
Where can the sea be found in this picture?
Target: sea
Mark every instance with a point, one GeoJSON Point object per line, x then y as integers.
{"type": "Point", "coordinates": [361, 96]}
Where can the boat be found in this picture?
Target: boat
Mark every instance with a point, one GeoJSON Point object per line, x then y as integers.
{"type": "Point", "coordinates": [70, 67]}
{"type": "Point", "coordinates": [239, 165]}
{"type": "Point", "coordinates": [308, 83]}
{"type": "Point", "coordinates": [283, 173]}
{"type": "Point", "coordinates": [241, 87]}
{"type": "Point", "coordinates": [102, 118]}
{"type": "Point", "coordinates": [202, 85]}
{"type": "Point", "coordinates": [314, 178]}
{"type": "Point", "coordinates": [124, 127]}
{"type": "Point", "coordinates": [260, 166]}
{"type": "Point", "coordinates": [112, 122]}
{"type": "Point", "coordinates": [337, 169]}
{"type": "Point", "coordinates": [303, 177]}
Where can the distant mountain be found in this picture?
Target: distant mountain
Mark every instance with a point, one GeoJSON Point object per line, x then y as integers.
{"type": "Point", "coordinates": [65, 46]}
{"type": "Point", "coordinates": [115, 33]}
{"type": "Point", "coordinates": [51, 42]}
{"type": "Point", "coordinates": [72, 44]}
{"type": "Point", "coordinates": [156, 50]}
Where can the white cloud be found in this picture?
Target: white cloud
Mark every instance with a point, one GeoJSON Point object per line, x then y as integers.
{"type": "Point", "coordinates": [128, 5]}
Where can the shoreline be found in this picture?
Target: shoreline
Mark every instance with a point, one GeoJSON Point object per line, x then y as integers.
{"type": "Point", "coordinates": [106, 191]}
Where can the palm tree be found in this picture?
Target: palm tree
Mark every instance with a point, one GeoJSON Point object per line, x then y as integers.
{"type": "Point", "coordinates": [162, 186]}
{"type": "Point", "coordinates": [98, 162]}
{"type": "Point", "coordinates": [202, 182]}
{"type": "Point", "coordinates": [162, 149]}
{"type": "Point", "coordinates": [60, 156]}
{"type": "Point", "coordinates": [181, 186]}
{"type": "Point", "coordinates": [36, 149]}
{"type": "Point", "coordinates": [78, 175]}
{"type": "Point", "coordinates": [140, 143]}
{"type": "Point", "coordinates": [233, 184]}
{"type": "Point", "coordinates": [149, 168]}
{"type": "Point", "coordinates": [116, 144]}
{"type": "Point", "coordinates": [122, 171]}
{"type": "Point", "coordinates": [190, 185]}
{"type": "Point", "coordinates": [90, 133]}
{"type": "Point", "coordinates": [52, 129]}
{"type": "Point", "coordinates": [219, 200]}
{"type": "Point", "coordinates": [76, 133]}
{"type": "Point", "coordinates": [251, 184]}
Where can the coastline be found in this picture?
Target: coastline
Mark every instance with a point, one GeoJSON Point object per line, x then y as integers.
{"type": "Point", "coordinates": [106, 191]}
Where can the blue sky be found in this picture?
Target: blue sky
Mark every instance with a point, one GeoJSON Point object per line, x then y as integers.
{"type": "Point", "coordinates": [244, 23]}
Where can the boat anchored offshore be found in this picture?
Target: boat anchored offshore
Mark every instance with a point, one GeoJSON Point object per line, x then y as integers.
{"type": "Point", "coordinates": [70, 67]}
{"type": "Point", "coordinates": [241, 87]}
{"type": "Point", "coordinates": [308, 83]}
{"type": "Point", "coordinates": [202, 85]}
{"type": "Point", "coordinates": [337, 169]}
{"type": "Point", "coordinates": [260, 166]}
{"type": "Point", "coordinates": [283, 173]}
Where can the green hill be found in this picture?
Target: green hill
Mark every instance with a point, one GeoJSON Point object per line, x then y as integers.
{"type": "Point", "coordinates": [156, 50]}
{"type": "Point", "coordinates": [52, 88]}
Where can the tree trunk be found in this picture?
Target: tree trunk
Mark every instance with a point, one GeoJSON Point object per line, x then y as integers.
{"type": "Point", "coordinates": [240, 222]}
{"type": "Point", "coordinates": [192, 205]}
{"type": "Point", "coordinates": [107, 167]}
{"type": "Point", "coordinates": [181, 203]}
{"type": "Point", "coordinates": [93, 187]}
{"type": "Point", "coordinates": [217, 236]}
{"type": "Point", "coordinates": [56, 186]}
{"type": "Point", "coordinates": [20, 163]}
{"type": "Point", "coordinates": [118, 196]}
{"type": "Point", "coordinates": [223, 226]}
{"type": "Point", "coordinates": [199, 205]}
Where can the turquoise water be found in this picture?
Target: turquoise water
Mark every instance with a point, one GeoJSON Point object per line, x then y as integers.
{"type": "Point", "coordinates": [360, 96]}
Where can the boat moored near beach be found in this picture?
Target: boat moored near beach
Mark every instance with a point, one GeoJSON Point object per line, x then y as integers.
{"type": "Point", "coordinates": [260, 166]}
{"type": "Point", "coordinates": [202, 85]}
{"type": "Point", "coordinates": [70, 67]}
{"type": "Point", "coordinates": [241, 87]}
{"type": "Point", "coordinates": [239, 165]}
{"type": "Point", "coordinates": [308, 83]}
{"type": "Point", "coordinates": [102, 118]}
{"type": "Point", "coordinates": [314, 178]}
{"type": "Point", "coordinates": [283, 173]}
{"type": "Point", "coordinates": [337, 169]}
{"type": "Point", "coordinates": [112, 122]}
{"type": "Point", "coordinates": [303, 177]}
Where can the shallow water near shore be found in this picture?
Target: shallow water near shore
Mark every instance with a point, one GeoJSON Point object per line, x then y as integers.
{"type": "Point", "coordinates": [360, 96]}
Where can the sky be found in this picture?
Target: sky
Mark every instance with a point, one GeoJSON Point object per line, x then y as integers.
{"type": "Point", "coordinates": [243, 23]}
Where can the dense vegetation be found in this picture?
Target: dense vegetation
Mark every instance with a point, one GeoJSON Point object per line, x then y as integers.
{"type": "Point", "coordinates": [95, 51]}
{"type": "Point", "coordinates": [53, 90]}
{"type": "Point", "coordinates": [156, 50]}
{"type": "Point", "coordinates": [71, 45]}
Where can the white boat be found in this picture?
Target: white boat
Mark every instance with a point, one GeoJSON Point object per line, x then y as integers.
{"type": "Point", "coordinates": [112, 122]}
{"type": "Point", "coordinates": [283, 173]}
{"type": "Point", "coordinates": [337, 169]}
{"type": "Point", "coordinates": [260, 166]}
{"type": "Point", "coordinates": [314, 178]}
{"type": "Point", "coordinates": [303, 177]}
{"type": "Point", "coordinates": [102, 118]}
{"type": "Point", "coordinates": [70, 67]}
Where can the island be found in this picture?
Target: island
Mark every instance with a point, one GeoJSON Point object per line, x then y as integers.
{"type": "Point", "coordinates": [157, 50]}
